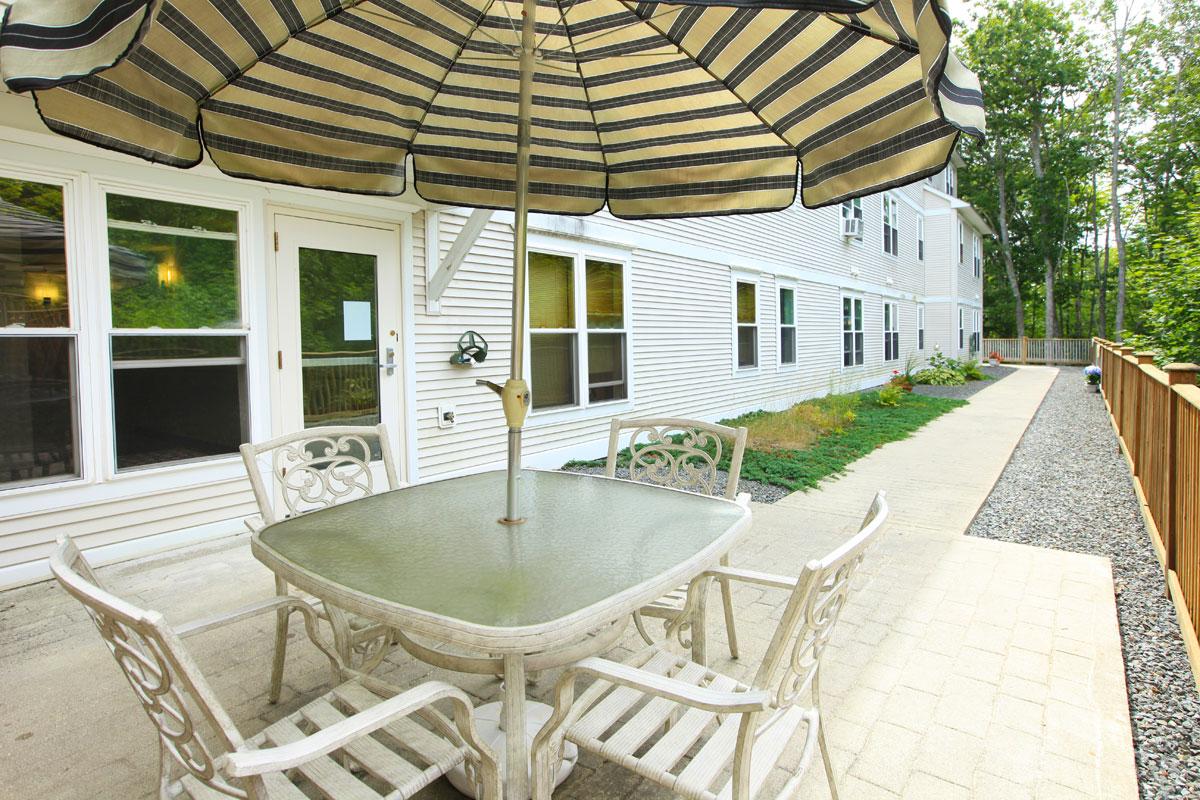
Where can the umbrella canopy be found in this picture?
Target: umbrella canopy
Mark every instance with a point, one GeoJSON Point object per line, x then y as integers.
{"type": "Point", "coordinates": [562, 106]}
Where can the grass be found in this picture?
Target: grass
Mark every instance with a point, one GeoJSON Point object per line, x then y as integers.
{"type": "Point", "coordinates": [798, 447]}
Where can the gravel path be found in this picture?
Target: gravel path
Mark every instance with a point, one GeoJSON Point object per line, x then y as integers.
{"type": "Point", "coordinates": [759, 492]}
{"type": "Point", "coordinates": [967, 389]}
{"type": "Point", "coordinates": [1068, 488]}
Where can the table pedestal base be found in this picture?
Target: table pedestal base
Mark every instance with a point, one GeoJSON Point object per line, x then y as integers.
{"type": "Point", "coordinates": [487, 722]}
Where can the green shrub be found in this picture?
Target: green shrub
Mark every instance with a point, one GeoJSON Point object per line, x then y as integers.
{"type": "Point", "coordinates": [971, 370]}
{"type": "Point", "coordinates": [890, 396]}
{"type": "Point", "coordinates": [940, 376]}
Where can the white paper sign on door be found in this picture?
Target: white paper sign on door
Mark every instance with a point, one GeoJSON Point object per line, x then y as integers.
{"type": "Point", "coordinates": [356, 320]}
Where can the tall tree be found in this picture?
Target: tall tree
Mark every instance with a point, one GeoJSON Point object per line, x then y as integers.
{"type": "Point", "coordinates": [1118, 32]}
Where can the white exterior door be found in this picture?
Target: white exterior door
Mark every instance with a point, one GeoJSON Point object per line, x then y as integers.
{"type": "Point", "coordinates": [338, 306]}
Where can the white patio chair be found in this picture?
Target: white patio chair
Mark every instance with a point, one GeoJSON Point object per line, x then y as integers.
{"type": "Point", "coordinates": [312, 469]}
{"type": "Point", "coordinates": [681, 454]}
{"type": "Point", "coordinates": [363, 739]}
{"type": "Point", "coordinates": [651, 712]}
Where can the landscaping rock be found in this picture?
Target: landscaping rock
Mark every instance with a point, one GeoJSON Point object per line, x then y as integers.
{"type": "Point", "coordinates": [1067, 487]}
{"type": "Point", "coordinates": [967, 389]}
{"type": "Point", "coordinates": [759, 492]}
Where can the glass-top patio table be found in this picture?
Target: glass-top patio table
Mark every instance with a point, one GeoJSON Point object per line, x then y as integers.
{"type": "Point", "coordinates": [433, 560]}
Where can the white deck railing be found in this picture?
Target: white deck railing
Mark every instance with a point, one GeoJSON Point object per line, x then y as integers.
{"type": "Point", "coordinates": [1040, 351]}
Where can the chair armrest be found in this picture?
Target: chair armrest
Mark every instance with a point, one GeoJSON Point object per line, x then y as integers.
{"type": "Point", "coordinates": [243, 763]}
{"type": "Point", "coordinates": [205, 624]}
{"type": "Point", "coordinates": [255, 523]}
{"type": "Point", "coordinates": [750, 576]}
{"type": "Point", "coordinates": [661, 686]}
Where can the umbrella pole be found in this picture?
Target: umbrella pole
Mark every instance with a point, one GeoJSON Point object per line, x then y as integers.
{"type": "Point", "coordinates": [516, 392]}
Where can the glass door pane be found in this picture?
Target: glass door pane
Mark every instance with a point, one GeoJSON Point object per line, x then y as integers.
{"type": "Point", "coordinates": [338, 340]}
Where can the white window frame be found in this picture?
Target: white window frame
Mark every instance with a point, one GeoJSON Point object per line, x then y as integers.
{"type": "Point", "coordinates": [891, 330]}
{"type": "Point", "coordinates": [81, 311]}
{"type": "Point", "coordinates": [921, 327]}
{"type": "Point", "coordinates": [951, 180]}
{"type": "Point", "coordinates": [580, 255]}
{"type": "Point", "coordinates": [743, 277]}
{"type": "Point", "coordinates": [962, 248]}
{"type": "Point", "coordinates": [850, 209]}
{"type": "Point", "coordinates": [842, 331]}
{"type": "Point", "coordinates": [961, 312]}
{"type": "Point", "coordinates": [977, 330]}
{"type": "Point", "coordinates": [246, 299]}
{"type": "Point", "coordinates": [780, 287]}
{"type": "Point", "coordinates": [891, 225]}
{"type": "Point", "coordinates": [976, 254]}
{"type": "Point", "coordinates": [920, 237]}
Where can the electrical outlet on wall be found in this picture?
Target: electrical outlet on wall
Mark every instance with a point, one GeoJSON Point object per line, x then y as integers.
{"type": "Point", "coordinates": [445, 415]}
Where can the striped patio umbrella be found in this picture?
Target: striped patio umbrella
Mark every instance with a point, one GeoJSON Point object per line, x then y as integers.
{"type": "Point", "coordinates": [687, 108]}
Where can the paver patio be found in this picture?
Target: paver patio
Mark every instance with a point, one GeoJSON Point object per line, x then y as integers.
{"type": "Point", "coordinates": [962, 668]}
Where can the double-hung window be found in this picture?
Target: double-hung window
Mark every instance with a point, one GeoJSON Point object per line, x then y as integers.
{"type": "Point", "coordinates": [975, 332]}
{"type": "Point", "coordinates": [747, 324]}
{"type": "Point", "coordinates": [177, 338]}
{"type": "Point", "coordinates": [891, 225]}
{"type": "Point", "coordinates": [852, 331]}
{"type": "Point", "coordinates": [787, 325]}
{"type": "Point", "coordinates": [960, 329]}
{"type": "Point", "coordinates": [962, 238]}
{"type": "Point", "coordinates": [920, 238]}
{"type": "Point", "coordinates": [852, 210]}
{"type": "Point", "coordinates": [951, 181]}
{"type": "Point", "coordinates": [891, 332]}
{"type": "Point", "coordinates": [39, 424]}
{"type": "Point", "coordinates": [576, 330]}
{"type": "Point", "coordinates": [976, 254]}
{"type": "Point", "coordinates": [921, 326]}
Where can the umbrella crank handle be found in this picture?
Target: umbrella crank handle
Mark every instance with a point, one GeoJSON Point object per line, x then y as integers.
{"type": "Point", "coordinates": [514, 397]}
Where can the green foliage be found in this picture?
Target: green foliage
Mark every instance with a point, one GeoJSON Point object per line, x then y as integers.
{"type": "Point", "coordinates": [939, 376]}
{"type": "Point", "coordinates": [971, 370]}
{"type": "Point", "coordinates": [1170, 289]}
{"type": "Point", "coordinates": [872, 425]}
{"type": "Point", "coordinates": [890, 396]}
{"type": "Point", "coordinates": [40, 198]}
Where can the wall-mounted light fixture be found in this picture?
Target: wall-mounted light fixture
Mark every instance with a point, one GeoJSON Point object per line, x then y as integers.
{"type": "Point", "coordinates": [45, 288]}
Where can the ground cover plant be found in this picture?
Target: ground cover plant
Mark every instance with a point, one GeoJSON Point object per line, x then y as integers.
{"type": "Point", "coordinates": [796, 448]}
{"type": "Point", "coordinates": [945, 371]}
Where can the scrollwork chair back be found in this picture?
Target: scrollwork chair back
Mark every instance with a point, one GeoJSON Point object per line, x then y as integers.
{"type": "Point", "coordinates": [193, 730]}
{"type": "Point", "coordinates": [793, 659]}
{"type": "Point", "coordinates": [317, 468]}
{"type": "Point", "coordinates": [678, 453]}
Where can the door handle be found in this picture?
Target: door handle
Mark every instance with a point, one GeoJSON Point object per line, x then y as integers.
{"type": "Point", "coordinates": [390, 363]}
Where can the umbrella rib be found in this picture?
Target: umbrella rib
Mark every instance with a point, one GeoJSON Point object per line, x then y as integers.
{"type": "Point", "coordinates": [637, 21]}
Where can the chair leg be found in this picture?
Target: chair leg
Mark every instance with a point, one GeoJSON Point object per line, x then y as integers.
{"type": "Point", "coordinates": [640, 624]}
{"type": "Point", "coordinates": [727, 601]}
{"type": "Point", "coordinates": [821, 726]}
{"type": "Point", "coordinates": [281, 634]}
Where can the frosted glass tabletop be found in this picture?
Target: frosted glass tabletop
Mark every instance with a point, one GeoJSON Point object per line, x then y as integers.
{"type": "Point", "coordinates": [436, 549]}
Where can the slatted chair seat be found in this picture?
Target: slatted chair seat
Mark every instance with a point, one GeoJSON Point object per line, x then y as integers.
{"type": "Point", "coordinates": [696, 732]}
{"type": "Point", "coordinates": [364, 740]}
{"type": "Point", "coordinates": [680, 454]}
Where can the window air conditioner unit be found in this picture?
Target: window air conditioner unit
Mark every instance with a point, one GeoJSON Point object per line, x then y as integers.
{"type": "Point", "coordinates": [852, 228]}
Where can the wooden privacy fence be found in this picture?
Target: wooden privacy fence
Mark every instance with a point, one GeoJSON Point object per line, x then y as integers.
{"type": "Point", "coordinates": [1156, 413]}
{"type": "Point", "coordinates": [1040, 351]}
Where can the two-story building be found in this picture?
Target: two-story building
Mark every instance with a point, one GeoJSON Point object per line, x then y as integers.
{"type": "Point", "coordinates": [152, 319]}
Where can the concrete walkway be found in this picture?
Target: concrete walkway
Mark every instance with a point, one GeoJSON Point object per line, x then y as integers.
{"type": "Point", "coordinates": [963, 667]}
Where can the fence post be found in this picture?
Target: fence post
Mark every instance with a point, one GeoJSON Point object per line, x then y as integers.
{"type": "Point", "coordinates": [1176, 374]}
{"type": "Point", "coordinates": [1024, 349]}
